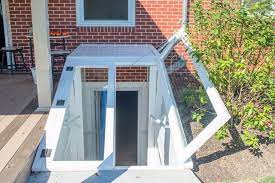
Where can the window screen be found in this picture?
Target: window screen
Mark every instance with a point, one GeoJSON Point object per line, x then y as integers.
{"type": "Point", "coordinates": [106, 9]}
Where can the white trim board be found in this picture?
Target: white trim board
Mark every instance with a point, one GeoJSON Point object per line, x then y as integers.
{"type": "Point", "coordinates": [7, 28]}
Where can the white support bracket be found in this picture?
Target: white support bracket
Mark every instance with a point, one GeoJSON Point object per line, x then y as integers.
{"type": "Point", "coordinates": [166, 49]}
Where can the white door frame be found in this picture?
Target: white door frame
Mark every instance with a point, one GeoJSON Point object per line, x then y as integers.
{"type": "Point", "coordinates": [142, 89]}
{"type": "Point", "coordinates": [7, 28]}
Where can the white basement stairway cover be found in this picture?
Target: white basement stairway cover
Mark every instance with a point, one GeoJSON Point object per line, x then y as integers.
{"type": "Point", "coordinates": [75, 142]}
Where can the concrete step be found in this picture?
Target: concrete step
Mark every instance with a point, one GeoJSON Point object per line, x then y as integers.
{"type": "Point", "coordinates": [117, 176]}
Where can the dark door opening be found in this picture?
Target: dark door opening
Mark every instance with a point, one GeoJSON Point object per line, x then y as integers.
{"type": "Point", "coordinates": [2, 34]}
{"type": "Point", "coordinates": [126, 128]}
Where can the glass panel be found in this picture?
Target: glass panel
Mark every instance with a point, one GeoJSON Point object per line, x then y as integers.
{"type": "Point", "coordinates": [106, 9]}
{"type": "Point", "coordinates": [194, 106]}
{"type": "Point", "coordinates": [192, 100]}
{"type": "Point", "coordinates": [94, 126]}
{"type": "Point", "coordinates": [83, 130]}
{"type": "Point", "coordinates": [162, 136]}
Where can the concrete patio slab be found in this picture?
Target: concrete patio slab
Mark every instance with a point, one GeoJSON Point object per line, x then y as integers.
{"type": "Point", "coordinates": [117, 176]}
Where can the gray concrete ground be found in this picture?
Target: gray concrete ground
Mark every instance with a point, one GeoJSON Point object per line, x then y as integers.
{"type": "Point", "coordinates": [119, 176]}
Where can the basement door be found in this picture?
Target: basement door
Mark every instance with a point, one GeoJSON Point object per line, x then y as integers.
{"type": "Point", "coordinates": [126, 128]}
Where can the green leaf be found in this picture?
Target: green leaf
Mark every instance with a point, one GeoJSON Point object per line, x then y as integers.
{"type": "Point", "coordinates": [235, 42]}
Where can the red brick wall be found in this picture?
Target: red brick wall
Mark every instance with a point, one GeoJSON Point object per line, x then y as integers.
{"type": "Point", "coordinates": [156, 20]}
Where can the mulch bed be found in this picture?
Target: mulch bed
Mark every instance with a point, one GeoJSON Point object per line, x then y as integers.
{"type": "Point", "coordinates": [221, 161]}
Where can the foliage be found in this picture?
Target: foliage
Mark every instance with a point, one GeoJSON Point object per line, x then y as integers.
{"type": "Point", "coordinates": [268, 179]}
{"type": "Point", "coordinates": [195, 100]}
{"type": "Point", "coordinates": [235, 41]}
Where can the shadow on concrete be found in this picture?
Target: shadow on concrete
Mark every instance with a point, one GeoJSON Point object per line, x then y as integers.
{"type": "Point", "coordinates": [105, 176]}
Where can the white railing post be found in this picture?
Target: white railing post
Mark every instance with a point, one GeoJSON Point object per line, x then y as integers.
{"type": "Point", "coordinates": [109, 147]}
{"type": "Point", "coordinates": [152, 158]}
{"type": "Point", "coordinates": [40, 22]}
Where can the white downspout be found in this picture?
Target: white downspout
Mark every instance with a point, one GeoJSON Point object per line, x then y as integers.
{"type": "Point", "coordinates": [167, 47]}
{"type": "Point", "coordinates": [185, 13]}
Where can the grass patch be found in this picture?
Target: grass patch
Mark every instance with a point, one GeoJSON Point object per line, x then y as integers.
{"type": "Point", "coordinates": [268, 179]}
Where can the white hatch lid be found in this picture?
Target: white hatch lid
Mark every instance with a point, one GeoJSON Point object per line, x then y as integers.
{"type": "Point", "coordinates": [142, 54]}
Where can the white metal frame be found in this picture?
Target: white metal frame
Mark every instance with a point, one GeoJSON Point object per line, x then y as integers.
{"type": "Point", "coordinates": [175, 124]}
{"type": "Point", "coordinates": [106, 23]}
{"type": "Point", "coordinates": [57, 113]}
{"type": "Point", "coordinates": [56, 118]}
{"type": "Point", "coordinates": [55, 121]}
{"type": "Point", "coordinates": [222, 113]}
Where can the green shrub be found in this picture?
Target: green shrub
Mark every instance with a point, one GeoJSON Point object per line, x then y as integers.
{"type": "Point", "coordinates": [235, 41]}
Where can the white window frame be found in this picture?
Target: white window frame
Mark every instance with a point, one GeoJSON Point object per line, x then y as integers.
{"type": "Point", "coordinates": [81, 22]}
